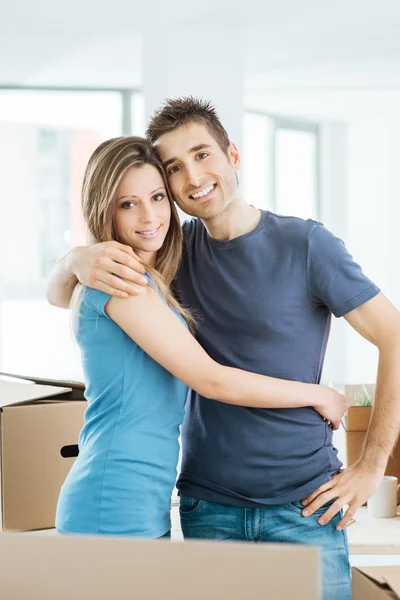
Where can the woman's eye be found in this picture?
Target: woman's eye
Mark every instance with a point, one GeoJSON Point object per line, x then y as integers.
{"type": "Point", "coordinates": [203, 155]}
{"type": "Point", "coordinates": [128, 204]}
{"type": "Point", "coordinates": [173, 170]}
{"type": "Point", "coordinates": [158, 197]}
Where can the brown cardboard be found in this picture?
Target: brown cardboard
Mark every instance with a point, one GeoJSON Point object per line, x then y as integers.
{"type": "Point", "coordinates": [376, 583]}
{"type": "Point", "coordinates": [38, 425]}
{"type": "Point", "coordinates": [356, 424]}
{"type": "Point", "coordinates": [35, 567]}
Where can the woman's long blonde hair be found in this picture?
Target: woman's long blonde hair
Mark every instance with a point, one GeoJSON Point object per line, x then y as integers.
{"type": "Point", "coordinates": [104, 172]}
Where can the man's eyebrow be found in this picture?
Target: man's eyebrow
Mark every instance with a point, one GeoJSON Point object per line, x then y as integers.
{"type": "Point", "coordinates": [191, 151]}
{"type": "Point", "coordinates": [133, 195]}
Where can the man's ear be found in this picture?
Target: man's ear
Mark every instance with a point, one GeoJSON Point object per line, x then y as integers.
{"type": "Point", "coordinates": [233, 155]}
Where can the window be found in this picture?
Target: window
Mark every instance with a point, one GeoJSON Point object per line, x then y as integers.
{"type": "Point", "coordinates": [296, 169]}
{"type": "Point", "coordinates": [46, 139]}
{"type": "Point", "coordinates": [257, 164]}
{"type": "Point", "coordinates": [281, 165]}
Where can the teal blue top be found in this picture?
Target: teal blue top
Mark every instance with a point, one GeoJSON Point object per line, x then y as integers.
{"type": "Point", "coordinates": [122, 480]}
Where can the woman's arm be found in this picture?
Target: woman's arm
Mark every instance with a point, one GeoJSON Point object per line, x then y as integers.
{"type": "Point", "coordinates": [100, 266]}
{"type": "Point", "coordinates": [155, 328]}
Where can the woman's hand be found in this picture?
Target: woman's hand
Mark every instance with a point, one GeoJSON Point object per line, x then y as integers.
{"type": "Point", "coordinates": [110, 267]}
{"type": "Point", "coordinates": [330, 405]}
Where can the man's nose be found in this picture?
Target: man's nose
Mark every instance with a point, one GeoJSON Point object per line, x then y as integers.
{"type": "Point", "coordinates": [194, 176]}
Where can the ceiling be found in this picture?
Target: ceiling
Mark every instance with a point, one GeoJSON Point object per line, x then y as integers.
{"type": "Point", "coordinates": [292, 50]}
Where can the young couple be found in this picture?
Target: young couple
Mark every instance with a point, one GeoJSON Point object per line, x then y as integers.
{"type": "Point", "coordinates": [256, 290]}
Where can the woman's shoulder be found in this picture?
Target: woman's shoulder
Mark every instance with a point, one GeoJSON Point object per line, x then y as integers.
{"type": "Point", "coordinates": [94, 300]}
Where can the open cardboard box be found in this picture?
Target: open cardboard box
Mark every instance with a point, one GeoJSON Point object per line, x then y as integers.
{"type": "Point", "coordinates": [99, 568]}
{"type": "Point", "coordinates": [356, 423]}
{"type": "Point", "coordinates": [376, 583]}
{"type": "Point", "coordinates": [40, 421]}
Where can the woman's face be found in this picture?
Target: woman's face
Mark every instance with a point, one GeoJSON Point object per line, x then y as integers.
{"type": "Point", "coordinates": [142, 212]}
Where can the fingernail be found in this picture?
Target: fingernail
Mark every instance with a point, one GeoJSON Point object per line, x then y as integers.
{"type": "Point", "coordinates": [306, 513]}
{"type": "Point", "coordinates": [144, 280]}
{"type": "Point", "coordinates": [338, 528]}
{"type": "Point", "coordinates": [321, 521]}
{"type": "Point", "coordinates": [304, 502]}
{"type": "Point", "coordinates": [123, 295]}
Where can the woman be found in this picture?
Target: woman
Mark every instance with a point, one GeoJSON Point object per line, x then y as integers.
{"type": "Point", "coordinates": [139, 357]}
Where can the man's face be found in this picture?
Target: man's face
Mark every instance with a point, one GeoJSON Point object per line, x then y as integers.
{"type": "Point", "coordinates": [202, 177]}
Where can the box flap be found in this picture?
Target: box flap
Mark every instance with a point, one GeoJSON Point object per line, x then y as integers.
{"type": "Point", "coordinates": [389, 576]}
{"type": "Point", "coordinates": [12, 393]}
{"type": "Point", "coordinates": [393, 582]}
{"type": "Point", "coordinates": [45, 381]}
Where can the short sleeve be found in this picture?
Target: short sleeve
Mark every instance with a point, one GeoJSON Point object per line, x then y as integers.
{"type": "Point", "coordinates": [95, 300]}
{"type": "Point", "coordinates": [334, 279]}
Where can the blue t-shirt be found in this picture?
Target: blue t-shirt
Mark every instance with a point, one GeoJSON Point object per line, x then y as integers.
{"type": "Point", "coordinates": [122, 480]}
{"type": "Point", "coordinates": [264, 302]}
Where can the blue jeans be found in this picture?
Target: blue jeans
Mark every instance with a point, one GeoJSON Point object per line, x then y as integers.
{"type": "Point", "coordinates": [274, 523]}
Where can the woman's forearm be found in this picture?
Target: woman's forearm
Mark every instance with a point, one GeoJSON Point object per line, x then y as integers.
{"type": "Point", "coordinates": [234, 386]}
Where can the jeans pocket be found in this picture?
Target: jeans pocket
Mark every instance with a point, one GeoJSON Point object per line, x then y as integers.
{"type": "Point", "coordinates": [189, 505]}
{"type": "Point", "coordinates": [298, 507]}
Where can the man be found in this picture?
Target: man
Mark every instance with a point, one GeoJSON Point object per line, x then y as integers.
{"type": "Point", "coordinates": [263, 287]}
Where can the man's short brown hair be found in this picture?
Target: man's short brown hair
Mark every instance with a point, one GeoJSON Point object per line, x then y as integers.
{"type": "Point", "coordinates": [184, 111]}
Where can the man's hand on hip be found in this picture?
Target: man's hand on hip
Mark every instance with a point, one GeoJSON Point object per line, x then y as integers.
{"type": "Point", "coordinates": [110, 267]}
{"type": "Point", "coordinates": [352, 486]}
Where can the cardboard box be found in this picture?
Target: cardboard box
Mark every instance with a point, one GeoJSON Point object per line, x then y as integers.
{"type": "Point", "coordinates": [376, 583]}
{"type": "Point", "coordinates": [39, 429]}
{"type": "Point", "coordinates": [39, 567]}
{"type": "Point", "coordinates": [356, 423]}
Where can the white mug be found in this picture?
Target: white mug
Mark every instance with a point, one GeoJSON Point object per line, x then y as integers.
{"type": "Point", "coordinates": [383, 504]}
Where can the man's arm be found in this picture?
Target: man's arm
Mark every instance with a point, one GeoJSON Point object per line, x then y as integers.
{"type": "Point", "coordinates": [61, 284]}
{"type": "Point", "coordinates": [110, 267]}
{"type": "Point", "coordinates": [378, 321]}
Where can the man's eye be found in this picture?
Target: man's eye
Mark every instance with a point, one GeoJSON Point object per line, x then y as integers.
{"type": "Point", "coordinates": [202, 155]}
{"type": "Point", "coordinates": [173, 170]}
{"type": "Point", "coordinates": [158, 197]}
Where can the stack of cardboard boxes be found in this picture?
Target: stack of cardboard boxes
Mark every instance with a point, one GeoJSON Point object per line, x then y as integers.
{"type": "Point", "coordinates": [376, 583]}
{"type": "Point", "coordinates": [356, 423]}
{"type": "Point", "coordinates": [369, 583]}
{"type": "Point", "coordinates": [40, 421]}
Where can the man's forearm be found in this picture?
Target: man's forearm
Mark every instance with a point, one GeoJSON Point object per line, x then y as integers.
{"type": "Point", "coordinates": [61, 284]}
{"type": "Point", "coordinates": [384, 427]}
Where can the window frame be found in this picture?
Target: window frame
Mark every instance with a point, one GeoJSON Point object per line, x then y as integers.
{"type": "Point", "coordinates": [126, 94]}
{"type": "Point", "coordinates": [280, 122]}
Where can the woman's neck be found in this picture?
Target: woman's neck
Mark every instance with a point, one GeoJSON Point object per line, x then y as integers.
{"type": "Point", "coordinates": [148, 258]}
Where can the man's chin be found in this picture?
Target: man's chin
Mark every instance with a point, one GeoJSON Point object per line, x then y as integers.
{"type": "Point", "coordinates": [203, 210]}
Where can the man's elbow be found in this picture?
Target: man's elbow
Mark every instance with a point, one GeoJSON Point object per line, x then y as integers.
{"type": "Point", "coordinates": [389, 342]}
{"type": "Point", "coordinates": [55, 300]}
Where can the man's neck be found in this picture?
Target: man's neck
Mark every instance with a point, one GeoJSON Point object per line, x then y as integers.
{"type": "Point", "coordinates": [237, 219]}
